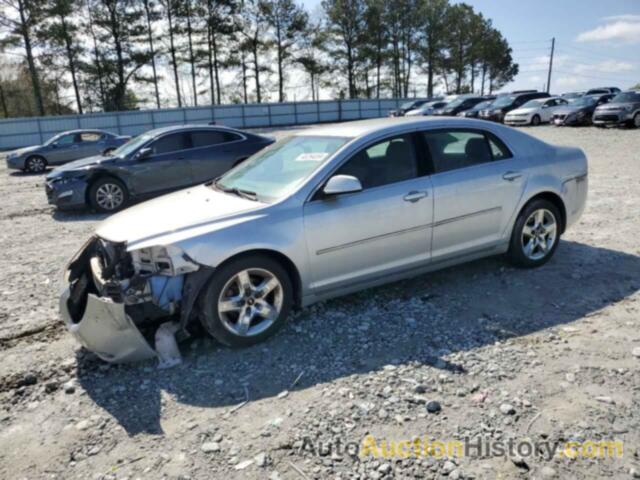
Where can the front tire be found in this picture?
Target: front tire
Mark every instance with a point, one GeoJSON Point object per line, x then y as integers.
{"type": "Point", "coordinates": [636, 120]}
{"type": "Point", "coordinates": [246, 301]}
{"type": "Point", "coordinates": [35, 164]}
{"type": "Point", "coordinates": [535, 120]}
{"type": "Point", "coordinates": [108, 195]}
{"type": "Point", "coordinates": [535, 235]}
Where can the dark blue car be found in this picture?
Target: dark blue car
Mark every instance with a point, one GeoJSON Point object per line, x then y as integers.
{"type": "Point", "coordinates": [151, 164]}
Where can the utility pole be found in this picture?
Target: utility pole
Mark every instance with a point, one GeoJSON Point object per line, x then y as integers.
{"type": "Point", "coordinates": [553, 44]}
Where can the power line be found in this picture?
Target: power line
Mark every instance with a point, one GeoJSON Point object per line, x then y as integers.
{"type": "Point", "coordinates": [592, 53]}
{"type": "Point", "coordinates": [566, 72]}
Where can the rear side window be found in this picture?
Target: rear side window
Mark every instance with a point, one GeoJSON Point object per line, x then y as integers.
{"type": "Point", "coordinates": [455, 149]}
{"type": "Point", "coordinates": [90, 136]}
{"type": "Point", "coordinates": [170, 143]}
{"type": "Point", "coordinates": [206, 138]}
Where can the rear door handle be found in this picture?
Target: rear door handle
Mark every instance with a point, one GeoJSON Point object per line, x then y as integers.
{"type": "Point", "coordinates": [414, 196]}
{"type": "Point", "coordinates": [511, 176]}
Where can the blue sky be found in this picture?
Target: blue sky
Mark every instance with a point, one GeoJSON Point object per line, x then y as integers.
{"type": "Point", "coordinates": [597, 41]}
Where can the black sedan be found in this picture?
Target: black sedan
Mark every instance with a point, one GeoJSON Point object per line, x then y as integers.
{"type": "Point", "coordinates": [153, 163]}
{"type": "Point", "coordinates": [460, 105]}
{"type": "Point", "coordinates": [580, 111]}
{"type": "Point", "coordinates": [408, 106]}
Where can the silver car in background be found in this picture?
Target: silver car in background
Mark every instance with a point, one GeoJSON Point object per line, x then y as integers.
{"type": "Point", "coordinates": [63, 148]}
{"type": "Point", "coordinates": [319, 214]}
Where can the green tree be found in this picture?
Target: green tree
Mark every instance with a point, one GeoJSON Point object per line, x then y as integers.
{"type": "Point", "coordinates": [287, 22]}
{"type": "Point", "coordinates": [60, 34]}
{"type": "Point", "coordinates": [22, 19]}
{"type": "Point", "coordinates": [310, 57]}
{"type": "Point", "coordinates": [169, 7]}
{"type": "Point", "coordinates": [120, 26]}
{"type": "Point", "coordinates": [220, 25]}
{"type": "Point", "coordinates": [345, 27]}
{"type": "Point", "coordinates": [152, 15]}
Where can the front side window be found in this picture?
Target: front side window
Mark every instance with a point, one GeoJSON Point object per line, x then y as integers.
{"type": "Point", "coordinates": [170, 143]}
{"type": "Point", "coordinates": [455, 149]}
{"type": "Point", "coordinates": [389, 161]}
{"type": "Point", "coordinates": [277, 170]}
{"type": "Point", "coordinates": [66, 139]}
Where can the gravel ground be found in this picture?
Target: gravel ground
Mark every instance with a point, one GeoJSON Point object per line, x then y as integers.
{"type": "Point", "coordinates": [476, 351]}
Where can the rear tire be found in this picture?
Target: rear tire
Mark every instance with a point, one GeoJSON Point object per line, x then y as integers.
{"type": "Point", "coordinates": [108, 195]}
{"type": "Point", "coordinates": [535, 235]}
{"type": "Point", "coordinates": [535, 120]}
{"type": "Point", "coordinates": [246, 301]}
{"type": "Point", "coordinates": [35, 164]}
{"type": "Point", "coordinates": [636, 120]}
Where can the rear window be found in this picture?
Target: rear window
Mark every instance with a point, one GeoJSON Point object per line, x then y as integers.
{"type": "Point", "coordinates": [206, 138]}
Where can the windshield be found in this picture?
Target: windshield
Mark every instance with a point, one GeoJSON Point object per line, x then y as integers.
{"type": "Point", "coordinates": [504, 101]}
{"type": "Point", "coordinates": [55, 138]}
{"type": "Point", "coordinates": [279, 169]}
{"type": "Point", "coordinates": [456, 103]}
{"type": "Point", "coordinates": [534, 103]}
{"type": "Point", "coordinates": [583, 102]}
{"type": "Point", "coordinates": [131, 146]}
{"type": "Point", "coordinates": [626, 97]}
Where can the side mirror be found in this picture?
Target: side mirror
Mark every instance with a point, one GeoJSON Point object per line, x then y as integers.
{"type": "Point", "coordinates": [339, 184]}
{"type": "Point", "coordinates": [144, 153]}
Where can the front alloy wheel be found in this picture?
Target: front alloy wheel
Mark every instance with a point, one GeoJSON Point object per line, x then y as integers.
{"type": "Point", "coordinates": [108, 195]}
{"type": "Point", "coordinates": [246, 300]}
{"type": "Point", "coordinates": [35, 164]}
{"type": "Point", "coordinates": [250, 302]}
{"type": "Point", "coordinates": [535, 235]}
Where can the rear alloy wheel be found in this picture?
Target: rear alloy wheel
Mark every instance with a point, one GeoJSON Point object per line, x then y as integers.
{"type": "Point", "coordinates": [535, 235]}
{"type": "Point", "coordinates": [35, 164]}
{"type": "Point", "coordinates": [535, 120]}
{"type": "Point", "coordinates": [246, 301]}
{"type": "Point", "coordinates": [108, 195]}
{"type": "Point", "coordinates": [636, 120]}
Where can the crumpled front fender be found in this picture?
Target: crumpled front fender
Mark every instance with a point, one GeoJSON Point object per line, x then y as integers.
{"type": "Point", "coordinates": [107, 330]}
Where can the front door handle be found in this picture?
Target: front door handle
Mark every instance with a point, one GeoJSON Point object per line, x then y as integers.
{"type": "Point", "coordinates": [511, 176]}
{"type": "Point", "coordinates": [414, 196]}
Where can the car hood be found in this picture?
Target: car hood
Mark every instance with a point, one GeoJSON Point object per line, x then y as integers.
{"type": "Point", "coordinates": [82, 164]}
{"type": "Point", "coordinates": [177, 216]}
{"type": "Point", "coordinates": [22, 151]}
{"type": "Point", "coordinates": [522, 111]}
{"type": "Point", "coordinates": [568, 110]}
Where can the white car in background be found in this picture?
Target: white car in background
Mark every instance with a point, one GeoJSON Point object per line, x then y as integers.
{"type": "Point", "coordinates": [535, 112]}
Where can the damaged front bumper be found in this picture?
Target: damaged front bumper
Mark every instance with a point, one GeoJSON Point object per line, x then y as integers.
{"type": "Point", "coordinates": [106, 330]}
{"type": "Point", "coordinates": [129, 307]}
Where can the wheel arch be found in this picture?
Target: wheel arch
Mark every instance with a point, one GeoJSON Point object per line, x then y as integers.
{"type": "Point", "coordinates": [553, 198]}
{"type": "Point", "coordinates": [282, 259]}
{"type": "Point", "coordinates": [99, 175]}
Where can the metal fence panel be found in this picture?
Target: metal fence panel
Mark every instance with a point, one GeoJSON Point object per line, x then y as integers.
{"type": "Point", "coordinates": [21, 132]}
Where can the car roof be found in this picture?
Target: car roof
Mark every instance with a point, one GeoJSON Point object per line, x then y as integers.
{"type": "Point", "coordinates": [363, 127]}
{"type": "Point", "coordinates": [83, 130]}
{"type": "Point", "coordinates": [187, 127]}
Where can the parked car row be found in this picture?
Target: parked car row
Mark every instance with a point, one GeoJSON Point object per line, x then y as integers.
{"type": "Point", "coordinates": [106, 172]}
{"type": "Point", "coordinates": [602, 106]}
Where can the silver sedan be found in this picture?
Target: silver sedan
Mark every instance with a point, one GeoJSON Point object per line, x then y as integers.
{"type": "Point", "coordinates": [319, 214]}
{"type": "Point", "coordinates": [63, 148]}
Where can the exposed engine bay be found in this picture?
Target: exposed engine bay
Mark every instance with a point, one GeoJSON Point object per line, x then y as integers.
{"type": "Point", "coordinates": [121, 304]}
